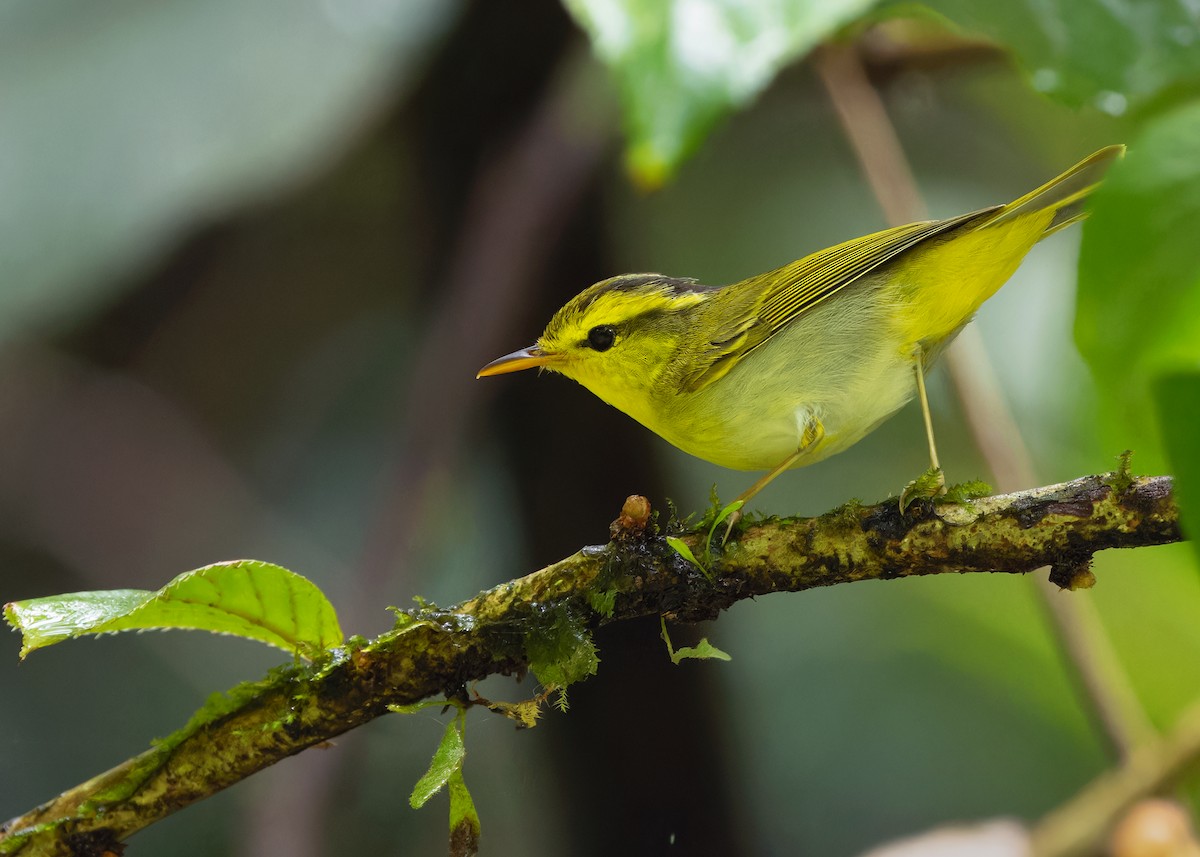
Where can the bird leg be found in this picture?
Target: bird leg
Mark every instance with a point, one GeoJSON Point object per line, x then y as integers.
{"type": "Point", "coordinates": [919, 369]}
{"type": "Point", "coordinates": [932, 483]}
{"type": "Point", "coordinates": [814, 433]}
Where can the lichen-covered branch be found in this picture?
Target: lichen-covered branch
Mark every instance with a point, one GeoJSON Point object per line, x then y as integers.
{"type": "Point", "coordinates": [436, 652]}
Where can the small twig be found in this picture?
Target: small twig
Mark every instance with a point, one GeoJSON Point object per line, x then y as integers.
{"type": "Point", "coordinates": [438, 652]}
{"type": "Point", "coordinates": [881, 156]}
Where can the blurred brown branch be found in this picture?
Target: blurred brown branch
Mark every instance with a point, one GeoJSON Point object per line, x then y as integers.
{"type": "Point", "coordinates": [437, 652]}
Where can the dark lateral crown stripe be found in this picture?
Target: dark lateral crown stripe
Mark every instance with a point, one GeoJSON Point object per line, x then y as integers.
{"type": "Point", "coordinates": [630, 282]}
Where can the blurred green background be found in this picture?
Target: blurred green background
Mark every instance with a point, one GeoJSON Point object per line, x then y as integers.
{"type": "Point", "coordinates": [252, 253]}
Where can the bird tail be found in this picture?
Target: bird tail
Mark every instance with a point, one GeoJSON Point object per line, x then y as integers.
{"type": "Point", "coordinates": [1064, 194]}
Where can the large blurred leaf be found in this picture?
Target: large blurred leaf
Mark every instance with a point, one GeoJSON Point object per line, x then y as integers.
{"type": "Point", "coordinates": [126, 122]}
{"type": "Point", "coordinates": [247, 598]}
{"type": "Point", "coordinates": [1113, 55]}
{"type": "Point", "coordinates": [1178, 397]}
{"type": "Point", "coordinates": [1139, 270]}
{"type": "Point", "coordinates": [683, 64]}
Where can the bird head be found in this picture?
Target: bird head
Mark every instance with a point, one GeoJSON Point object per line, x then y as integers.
{"type": "Point", "coordinates": [616, 337]}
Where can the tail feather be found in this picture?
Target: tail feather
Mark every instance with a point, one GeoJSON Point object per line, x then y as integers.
{"type": "Point", "coordinates": [1064, 194]}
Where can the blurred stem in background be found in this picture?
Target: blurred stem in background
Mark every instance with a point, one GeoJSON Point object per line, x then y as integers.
{"type": "Point", "coordinates": [1076, 622]}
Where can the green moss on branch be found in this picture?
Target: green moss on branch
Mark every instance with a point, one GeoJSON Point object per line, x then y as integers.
{"type": "Point", "coordinates": [436, 652]}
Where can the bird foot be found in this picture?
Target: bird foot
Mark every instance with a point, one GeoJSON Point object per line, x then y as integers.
{"type": "Point", "coordinates": [927, 486]}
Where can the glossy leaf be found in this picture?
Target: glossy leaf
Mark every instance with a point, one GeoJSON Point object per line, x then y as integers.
{"type": "Point", "coordinates": [247, 598]}
{"type": "Point", "coordinates": [681, 65]}
{"type": "Point", "coordinates": [681, 547]}
{"type": "Point", "coordinates": [447, 759]}
{"type": "Point", "coordinates": [1138, 312]}
{"type": "Point", "coordinates": [1112, 55]}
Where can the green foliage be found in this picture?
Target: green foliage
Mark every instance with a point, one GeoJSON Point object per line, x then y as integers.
{"type": "Point", "coordinates": [702, 651]}
{"type": "Point", "coordinates": [714, 510]}
{"type": "Point", "coordinates": [1113, 55]}
{"type": "Point", "coordinates": [964, 492]}
{"type": "Point", "coordinates": [924, 487]}
{"type": "Point", "coordinates": [1178, 398]}
{"type": "Point", "coordinates": [682, 66]}
{"type": "Point", "coordinates": [414, 707]}
{"type": "Point", "coordinates": [846, 515]}
{"type": "Point", "coordinates": [447, 759]}
{"type": "Point", "coordinates": [560, 650]}
{"type": "Point", "coordinates": [1138, 313]}
{"type": "Point", "coordinates": [716, 516]}
{"type": "Point", "coordinates": [603, 601]}
{"type": "Point", "coordinates": [464, 820]}
{"type": "Point", "coordinates": [681, 547]}
{"type": "Point", "coordinates": [247, 598]}
{"type": "Point", "coordinates": [445, 769]}
{"type": "Point", "coordinates": [929, 486]}
{"type": "Point", "coordinates": [1122, 478]}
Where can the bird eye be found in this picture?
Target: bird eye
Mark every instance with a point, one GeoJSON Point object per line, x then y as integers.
{"type": "Point", "coordinates": [601, 338]}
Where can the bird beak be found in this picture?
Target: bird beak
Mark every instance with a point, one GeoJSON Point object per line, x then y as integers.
{"type": "Point", "coordinates": [526, 358]}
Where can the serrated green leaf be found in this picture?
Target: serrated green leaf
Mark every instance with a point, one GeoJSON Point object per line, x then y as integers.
{"type": "Point", "coordinates": [1113, 55]}
{"type": "Point", "coordinates": [464, 820]}
{"type": "Point", "coordinates": [247, 598]}
{"type": "Point", "coordinates": [704, 650]}
{"type": "Point", "coordinates": [1138, 312]}
{"type": "Point", "coordinates": [447, 759]}
{"type": "Point", "coordinates": [682, 65]}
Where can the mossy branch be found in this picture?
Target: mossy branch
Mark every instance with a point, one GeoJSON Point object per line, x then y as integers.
{"type": "Point", "coordinates": [436, 652]}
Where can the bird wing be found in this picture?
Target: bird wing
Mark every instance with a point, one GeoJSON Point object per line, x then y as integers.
{"type": "Point", "coordinates": [786, 293]}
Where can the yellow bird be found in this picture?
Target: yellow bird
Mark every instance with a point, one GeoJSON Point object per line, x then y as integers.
{"type": "Point", "coordinates": [789, 367]}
